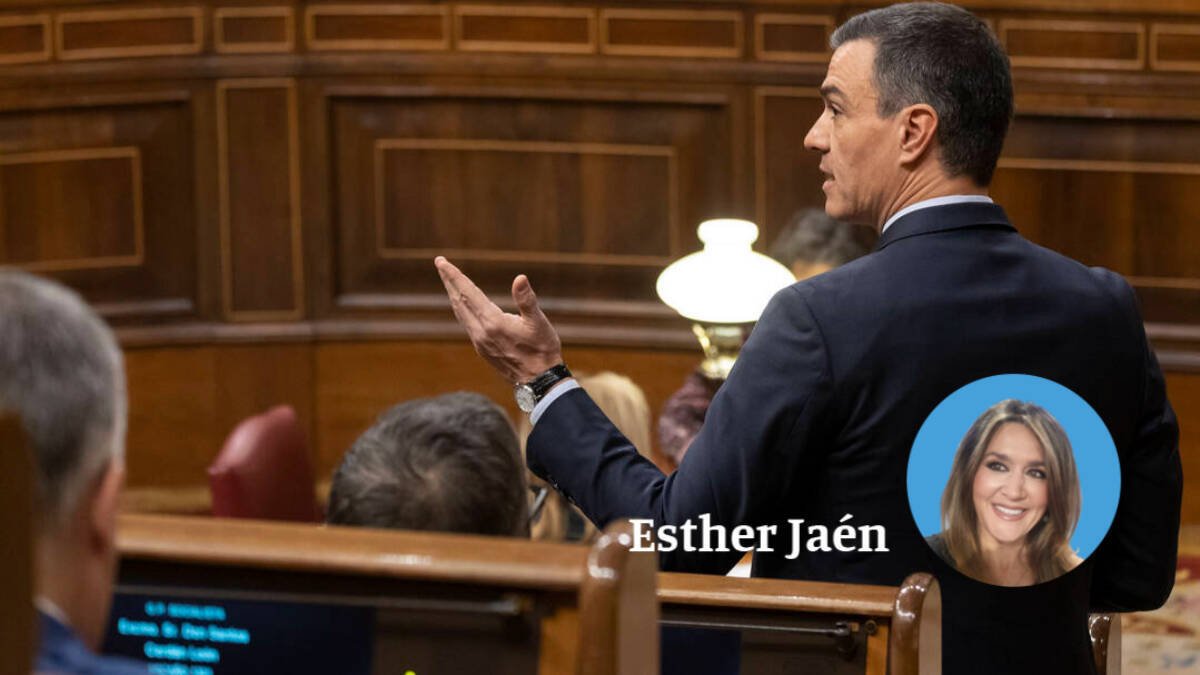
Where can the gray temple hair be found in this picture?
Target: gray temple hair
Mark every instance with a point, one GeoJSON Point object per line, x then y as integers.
{"type": "Point", "coordinates": [61, 373]}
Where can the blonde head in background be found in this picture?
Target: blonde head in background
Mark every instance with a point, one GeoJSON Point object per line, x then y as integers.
{"type": "Point", "coordinates": [623, 402]}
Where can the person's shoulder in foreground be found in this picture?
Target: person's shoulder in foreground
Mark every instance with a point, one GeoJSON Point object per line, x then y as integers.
{"type": "Point", "coordinates": [62, 652]}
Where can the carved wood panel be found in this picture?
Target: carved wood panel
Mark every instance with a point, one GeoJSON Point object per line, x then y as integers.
{"type": "Point", "coordinates": [25, 38]}
{"type": "Point", "coordinates": [378, 27]}
{"type": "Point", "coordinates": [250, 30]}
{"type": "Point", "coordinates": [129, 32]}
{"type": "Point", "coordinates": [1115, 193]}
{"type": "Point", "coordinates": [499, 28]}
{"type": "Point", "coordinates": [72, 209]}
{"type": "Point", "coordinates": [786, 176]}
{"type": "Point", "coordinates": [101, 197]}
{"type": "Point", "coordinates": [592, 195]}
{"type": "Point", "coordinates": [259, 182]}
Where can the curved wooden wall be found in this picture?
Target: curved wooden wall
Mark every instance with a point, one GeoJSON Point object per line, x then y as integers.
{"type": "Point", "coordinates": [253, 192]}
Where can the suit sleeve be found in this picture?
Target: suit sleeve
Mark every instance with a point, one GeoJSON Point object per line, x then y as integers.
{"type": "Point", "coordinates": [1135, 565]}
{"type": "Point", "coordinates": [740, 464]}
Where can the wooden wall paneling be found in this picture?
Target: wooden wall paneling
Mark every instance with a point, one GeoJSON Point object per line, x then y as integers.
{"type": "Point", "coordinates": [125, 33]}
{"type": "Point", "coordinates": [256, 377]}
{"type": "Point", "coordinates": [47, 227]}
{"type": "Point", "coordinates": [316, 177]}
{"type": "Point", "coordinates": [786, 175]}
{"type": "Point", "coordinates": [254, 30]}
{"type": "Point", "coordinates": [356, 381]}
{"type": "Point", "coordinates": [1112, 192]}
{"type": "Point", "coordinates": [97, 191]}
{"type": "Point", "coordinates": [25, 38]}
{"type": "Point", "coordinates": [1175, 47]}
{"type": "Point", "coordinates": [1183, 390]}
{"type": "Point", "coordinates": [399, 162]}
{"type": "Point", "coordinates": [589, 194]}
{"type": "Point", "coordinates": [259, 187]}
{"type": "Point", "coordinates": [1126, 7]}
{"type": "Point", "coordinates": [172, 435]}
{"type": "Point", "coordinates": [373, 27]}
{"type": "Point", "coordinates": [205, 181]}
{"type": "Point", "coordinates": [799, 38]}
{"type": "Point", "coordinates": [742, 167]}
{"type": "Point", "coordinates": [681, 33]}
{"type": "Point", "coordinates": [500, 28]}
{"type": "Point", "coordinates": [184, 401]}
{"type": "Point", "coordinates": [1111, 222]}
{"type": "Point", "coordinates": [1110, 226]}
{"type": "Point", "coordinates": [1085, 45]}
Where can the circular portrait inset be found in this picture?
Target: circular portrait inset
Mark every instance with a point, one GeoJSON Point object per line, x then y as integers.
{"type": "Point", "coordinates": [1013, 480]}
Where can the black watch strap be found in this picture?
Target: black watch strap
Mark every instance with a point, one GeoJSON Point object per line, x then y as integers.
{"type": "Point", "coordinates": [542, 383]}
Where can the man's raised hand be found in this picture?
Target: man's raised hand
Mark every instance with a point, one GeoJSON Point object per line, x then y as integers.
{"type": "Point", "coordinates": [519, 346]}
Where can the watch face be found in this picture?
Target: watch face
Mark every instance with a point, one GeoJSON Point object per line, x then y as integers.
{"type": "Point", "coordinates": [525, 398]}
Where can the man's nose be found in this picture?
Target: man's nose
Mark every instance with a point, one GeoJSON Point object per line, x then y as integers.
{"type": "Point", "coordinates": [816, 139]}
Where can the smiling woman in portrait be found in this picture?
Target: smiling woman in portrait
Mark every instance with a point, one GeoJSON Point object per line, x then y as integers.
{"type": "Point", "coordinates": [1013, 499]}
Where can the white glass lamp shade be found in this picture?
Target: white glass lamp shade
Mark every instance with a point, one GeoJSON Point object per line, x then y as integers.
{"type": "Point", "coordinates": [727, 282]}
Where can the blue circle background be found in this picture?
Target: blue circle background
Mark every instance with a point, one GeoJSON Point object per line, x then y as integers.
{"type": "Point", "coordinates": [1095, 454]}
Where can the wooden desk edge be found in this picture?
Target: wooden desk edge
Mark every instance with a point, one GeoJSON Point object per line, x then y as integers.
{"type": "Point", "coordinates": [775, 594]}
{"type": "Point", "coordinates": [301, 547]}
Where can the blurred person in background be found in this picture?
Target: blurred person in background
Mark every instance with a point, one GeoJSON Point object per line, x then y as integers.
{"type": "Point", "coordinates": [812, 243]}
{"type": "Point", "coordinates": [624, 402]}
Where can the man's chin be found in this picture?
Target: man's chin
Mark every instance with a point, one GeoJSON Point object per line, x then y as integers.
{"type": "Point", "coordinates": [833, 209]}
{"type": "Point", "coordinates": [838, 211]}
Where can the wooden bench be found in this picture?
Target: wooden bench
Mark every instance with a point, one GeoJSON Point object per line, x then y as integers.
{"type": "Point", "coordinates": [802, 626]}
{"type": "Point", "coordinates": [449, 603]}
{"type": "Point", "coordinates": [17, 619]}
{"type": "Point", "coordinates": [834, 628]}
{"type": "Point", "coordinates": [438, 603]}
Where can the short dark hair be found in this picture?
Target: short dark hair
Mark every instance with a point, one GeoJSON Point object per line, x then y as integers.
{"type": "Point", "coordinates": [942, 55]}
{"type": "Point", "coordinates": [449, 463]}
{"type": "Point", "coordinates": [813, 237]}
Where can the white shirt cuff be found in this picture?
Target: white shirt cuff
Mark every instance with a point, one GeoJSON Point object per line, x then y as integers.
{"type": "Point", "coordinates": [542, 405]}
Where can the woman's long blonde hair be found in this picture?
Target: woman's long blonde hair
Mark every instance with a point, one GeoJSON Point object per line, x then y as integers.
{"type": "Point", "coordinates": [1048, 548]}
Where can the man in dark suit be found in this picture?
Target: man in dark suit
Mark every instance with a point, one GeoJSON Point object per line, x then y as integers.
{"type": "Point", "coordinates": [61, 373]}
{"type": "Point", "coordinates": [818, 416]}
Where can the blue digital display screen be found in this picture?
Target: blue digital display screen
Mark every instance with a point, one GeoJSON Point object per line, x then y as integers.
{"type": "Point", "coordinates": [190, 636]}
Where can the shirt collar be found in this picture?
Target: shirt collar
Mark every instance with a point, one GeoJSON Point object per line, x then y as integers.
{"type": "Point", "coordinates": [936, 201]}
{"type": "Point", "coordinates": [46, 606]}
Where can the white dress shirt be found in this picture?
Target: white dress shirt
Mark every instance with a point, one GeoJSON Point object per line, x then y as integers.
{"type": "Point", "coordinates": [936, 201]}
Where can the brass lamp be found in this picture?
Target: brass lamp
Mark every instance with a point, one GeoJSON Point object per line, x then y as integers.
{"type": "Point", "coordinates": [723, 289]}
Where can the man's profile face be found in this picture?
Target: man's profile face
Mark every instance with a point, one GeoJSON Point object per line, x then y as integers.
{"type": "Point", "coordinates": [858, 147]}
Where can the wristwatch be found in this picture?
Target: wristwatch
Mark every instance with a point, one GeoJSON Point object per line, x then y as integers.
{"type": "Point", "coordinates": [529, 393]}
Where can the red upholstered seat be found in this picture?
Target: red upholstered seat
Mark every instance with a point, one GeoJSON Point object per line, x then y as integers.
{"type": "Point", "coordinates": [264, 470]}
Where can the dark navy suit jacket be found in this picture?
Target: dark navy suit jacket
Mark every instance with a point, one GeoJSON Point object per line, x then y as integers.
{"type": "Point", "coordinates": [60, 651]}
{"type": "Point", "coordinates": [819, 414]}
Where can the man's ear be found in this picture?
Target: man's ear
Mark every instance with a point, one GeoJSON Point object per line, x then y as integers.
{"type": "Point", "coordinates": [105, 503]}
{"type": "Point", "coordinates": [919, 127]}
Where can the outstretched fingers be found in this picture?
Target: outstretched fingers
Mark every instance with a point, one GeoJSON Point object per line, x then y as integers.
{"type": "Point", "coordinates": [469, 303]}
{"type": "Point", "coordinates": [526, 300]}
